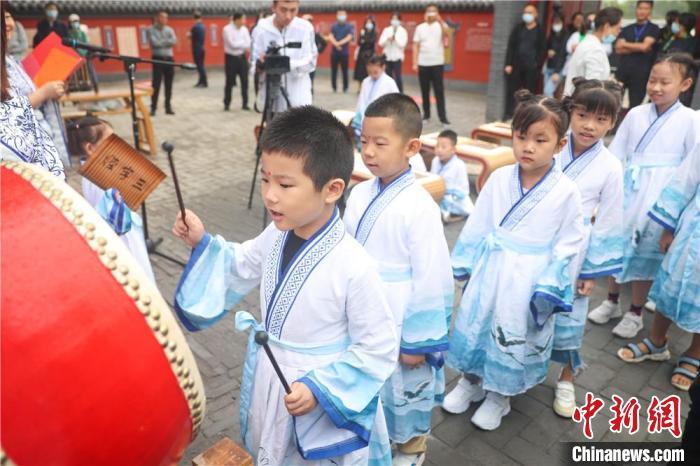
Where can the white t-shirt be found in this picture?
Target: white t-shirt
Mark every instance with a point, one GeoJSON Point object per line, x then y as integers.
{"type": "Point", "coordinates": [432, 49]}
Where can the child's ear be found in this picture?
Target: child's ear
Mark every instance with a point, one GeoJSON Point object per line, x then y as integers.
{"type": "Point", "coordinates": [413, 146]}
{"type": "Point", "coordinates": [334, 190]}
{"type": "Point", "coordinates": [561, 145]}
{"type": "Point", "coordinates": [685, 85]}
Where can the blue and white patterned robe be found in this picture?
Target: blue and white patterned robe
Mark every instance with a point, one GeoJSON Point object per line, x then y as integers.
{"type": "Point", "coordinates": [456, 200]}
{"type": "Point", "coordinates": [598, 176]}
{"type": "Point", "coordinates": [399, 225]}
{"type": "Point", "coordinates": [650, 146]}
{"type": "Point", "coordinates": [330, 328]}
{"type": "Point", "coordinates": [676, 288]}
{"type": "Point", "coordinates": [518, 250]}
{"type": "Point", "coordinates": [48, 115]}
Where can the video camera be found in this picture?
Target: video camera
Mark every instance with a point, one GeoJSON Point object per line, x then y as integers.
{"type": "Point", "coordinates": [275, 62]}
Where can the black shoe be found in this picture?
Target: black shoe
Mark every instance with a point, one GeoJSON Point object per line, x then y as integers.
{"type": "Point", "coordinates": [426, 117]}
{"type": "Point", "coordinates": [226, 108]}
{"type": "Point", "coordinates": [169, 111]}
{"type": "Point", "coordinates": [246, 108]}
{"type": "Point", "coordinates": [445, 121]}
{"type": "Point", "coordinates": [153, 112]}
{"type": "Point", "coordinates": [199, 85]}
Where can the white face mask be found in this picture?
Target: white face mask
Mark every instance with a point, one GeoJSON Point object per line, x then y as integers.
{"type": "Point", "coordinates": [557, 27]}
{"type": "Point", "coordinates": [369, 26]}
{"type": "Point", "coordinates": [395, 22]}
{"type": "Point", "coordinates": [342, 18]}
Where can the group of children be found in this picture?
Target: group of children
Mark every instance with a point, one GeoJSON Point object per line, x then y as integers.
{"type": "Point", "coordinates": [358, 310]}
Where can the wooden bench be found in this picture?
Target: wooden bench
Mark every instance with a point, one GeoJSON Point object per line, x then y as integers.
{"type": "Point", "coordinates": [147, 139]}
{"type": "Point", "coordinates": [432, 183]}
{"type": "Point", "coordinates": [481, 157]}
{"type": "Point", "coordinates": [496, 132]}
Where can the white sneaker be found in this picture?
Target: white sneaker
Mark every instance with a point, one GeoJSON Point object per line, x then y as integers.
{"type": "Point", "coordinates": [651, 306]}
{"type": "Point", "coordinates": [629, 326]}
{"type": "Point", "coordinates": [491, 411]}
{"type": "Point", "coordinates": [459, 399]}
{"type": "Point", "coordinates": [564, 399]}
{"type": "Point", "coordinates": [405, 459]}
{"type": "Point", "coordinates": [606, 311]}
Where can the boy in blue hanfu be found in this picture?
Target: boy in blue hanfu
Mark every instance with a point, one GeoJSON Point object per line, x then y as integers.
{"type": "Point", "coordinates": [456, 203]}
{"type": "Point", "coordinates": [398, 223]}
{"type": "Point", "coordinates": [321, 301]}
{"type": "Point", "coordinates": [517, 251]}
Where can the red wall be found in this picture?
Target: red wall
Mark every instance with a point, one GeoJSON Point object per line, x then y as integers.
{"type": "Point", "coordinates": [469, 60]}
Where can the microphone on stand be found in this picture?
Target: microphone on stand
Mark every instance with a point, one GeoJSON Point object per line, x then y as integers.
{"type": "Point", "coordinates": [85, 46]}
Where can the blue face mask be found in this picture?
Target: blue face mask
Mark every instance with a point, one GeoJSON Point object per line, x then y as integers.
{"type": "Point", "coordinates": [675, 28]}
{"type": "Point", "coordinates": [52, 14]}
{"type": "Point", "coordinates": [369, 26]}
{"type": "Point", "coordinates": [528, 18]}
{"type": "Point", "coordinates": [609, 39]}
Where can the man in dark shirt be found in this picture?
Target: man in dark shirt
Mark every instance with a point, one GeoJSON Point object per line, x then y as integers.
{"type": "Point", "coordinates": [197, 36]}
{"type": "Point", "coordinates": [526, 47]}
{"type": "Point", "coordinates": [635, 46]}
{"type": "Point", "coordinates": [341, 35]}
{"type": "Point", "coordinates": [49, 24]}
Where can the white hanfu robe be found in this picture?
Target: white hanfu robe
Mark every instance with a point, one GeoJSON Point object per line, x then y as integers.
{"type": "Point", "coordinates": [598, 176]}
{"type": "Point", "coordinates": [456, 200]}
{"type": "Point", "coordinates": [518, 251]}
{"type": "Point", "coordinates": [371, 90]}
{"type": "Point", "coordinates": [329, 327]}
{"type": "Point", "coordinates": [676, 288]}
{"type": "Point", "coordinates": [650, 146]}
{"type": "Point", "coordinates": [302, 61]}
{"type": "Point", "coordinates": [399, 225]}
{"type": "Point", "coordinates": [125, 222]}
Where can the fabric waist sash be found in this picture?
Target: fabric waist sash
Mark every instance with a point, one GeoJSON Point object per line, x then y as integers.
{"type": "Point", "coordinates": [641, 162]}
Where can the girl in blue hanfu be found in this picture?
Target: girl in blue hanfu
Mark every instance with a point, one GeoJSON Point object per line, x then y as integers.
{"type": "Point", "coordinates": [594, 107]}
{"type": "Point", "coordinates": [517, 251]}
{"type": "Point", "coordinates": [652, 141]}
{"type": "Point", "coordinates": [676, 288]}
{"type": "Point", "coordinates": [84, 136]}
{"type": "Point", "coordinates": [322, 305]}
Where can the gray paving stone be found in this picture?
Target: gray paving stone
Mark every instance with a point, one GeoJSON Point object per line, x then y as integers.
{"type": "Point", "coordinates": [526, 453]}
{"type": "Point", "coordinates": [479, 452]}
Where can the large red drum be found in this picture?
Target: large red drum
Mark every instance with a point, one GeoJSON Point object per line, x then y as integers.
{"type": "Point", "coordinates": [95, 370]}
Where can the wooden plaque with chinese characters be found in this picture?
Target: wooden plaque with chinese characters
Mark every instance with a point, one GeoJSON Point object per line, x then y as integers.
{"type": "Point", "coordinates": [118, 165]}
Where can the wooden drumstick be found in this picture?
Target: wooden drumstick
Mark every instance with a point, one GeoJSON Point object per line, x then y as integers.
{"type": "Point", "coordinates": [261, 338]}
{"type": "Point", "coordinates": [167, 147]}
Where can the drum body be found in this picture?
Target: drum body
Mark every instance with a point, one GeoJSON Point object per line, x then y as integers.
{"type": "Point", "coordinates": [95, 370]}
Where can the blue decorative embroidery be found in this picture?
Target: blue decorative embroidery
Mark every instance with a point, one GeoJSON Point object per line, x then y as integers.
{"type": "Point", "coordinates": [526, 202]}
{"type": "Point", "coordinates": [380, 199]}
{"type": "Point", "coordinates": [574, 166]}
{"type": "Point", "coordinates": [281, 289]}
{"type": "Point", "coordinates": [655, 126]}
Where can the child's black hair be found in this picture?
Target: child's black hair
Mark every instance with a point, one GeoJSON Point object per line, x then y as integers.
{"type": "Point", "coordinates": [88, 129]}
{"type": "Point", "coordinates": [315, 136]}
{"type": "Point", "coordinates": [596, 96]}
{"type": "Point", "coordinates": [377, 60]}
{"type": "Point", "coordinates": [683, 61]}
{"type": "Point", "coordinates": [449, 134]}
{"type": "Point", "coordinates": [534, 108]}
{"type": "Point", "coordinates": [402, 110]}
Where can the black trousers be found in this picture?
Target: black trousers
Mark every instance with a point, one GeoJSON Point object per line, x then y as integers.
{"type": "Point", "coordinates": [428, 75]}
{"type": "Point", "coordinates": [342, 60]}
{"type": "Point", "coordinates": [198, 56]}
{"type": "Point", "coordinates": [236, 65]}
{"type": "Point", "coordinates": [637, 87]}
{"type": "Point", "coordinates": [160, 72]}
{"type": "Point", "coordinates": [393, 69]}
{"type": "Point", "coordinates": [520, 78]}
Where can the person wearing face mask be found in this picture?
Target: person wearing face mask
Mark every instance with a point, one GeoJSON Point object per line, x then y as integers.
{"type": "Point", "coordinates": [49, 24]}
{"type": "Point", "coordinates": [590, 60]}
{"type": "Point", "coordinates": [364, 50]}
{"type": "Point", "coordinates": [429, 60]}
{"type": "Point", "coordinates": [666, 32]}
{"type": "Point", "coordinates": [635, 46]}
{"type": "Point", "coordinates": [526, 49]}
{"type": "Point", "coordinates": [393, 42]}
{"type": "Point", "coordinates": [556, 55]}
{"type": "Point", "coordinates": [681, 39]}
{"type": "Point", "coordinates": [198, 34]}
{"type": "Point", "coordinates": [76, 33]}
{"type": "Point", "coordinates": [342, 33]}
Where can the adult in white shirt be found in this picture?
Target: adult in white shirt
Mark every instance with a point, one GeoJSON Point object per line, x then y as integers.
{"type": "Point", "coordinates": [282, 28]}
{"type": "Point", "coordinates": [590, 59]}
{"type": "Point", "coordinates": [376, 84]}
{"type": "Point", "coordinates": [236, 44]}
{"type": "Point", "coordinates": [429, 60]}
{"type": "Point", "coordinates": [393, 42]}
